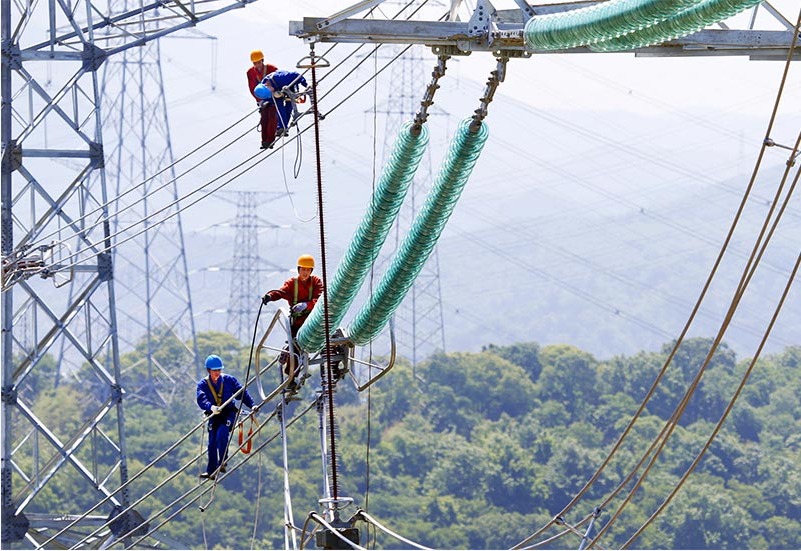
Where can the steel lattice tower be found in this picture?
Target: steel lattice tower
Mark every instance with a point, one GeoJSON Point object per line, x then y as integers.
{"type": "Point", "coordinates": [420, 326]}
{"type": "Point", "coordinates": [247, 264]}
{"type": "Point", "coordinates": [57, 219]}
{"type": "Point", "coordinates": [152, 267]}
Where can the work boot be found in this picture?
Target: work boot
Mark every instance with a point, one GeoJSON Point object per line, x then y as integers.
{"type": "Point", "coordinates": [267, 145]}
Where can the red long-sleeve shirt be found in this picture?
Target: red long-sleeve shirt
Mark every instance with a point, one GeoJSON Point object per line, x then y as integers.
{"type": "Point", "coordinates": [254, 77]}
{"type": "Point", "coordinates": [308, 292]}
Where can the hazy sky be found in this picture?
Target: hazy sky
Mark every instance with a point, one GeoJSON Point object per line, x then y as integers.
{"type": "Point", "coordinates": [632, 133]}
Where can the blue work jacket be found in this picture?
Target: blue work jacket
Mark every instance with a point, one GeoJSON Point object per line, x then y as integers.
{"type": "Point", "coordinates": [209, 394]}
{"type": "Point", "coordinates": [279, 79]}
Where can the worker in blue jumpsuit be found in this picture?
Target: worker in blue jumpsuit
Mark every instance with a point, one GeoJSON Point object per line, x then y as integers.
{"type": "Point", "coordinates": [212, 392]}
{"type": "Point", "coordinates": [276, 82]}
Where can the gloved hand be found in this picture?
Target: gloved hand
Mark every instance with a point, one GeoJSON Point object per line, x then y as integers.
{"type": "Point", "coordinates": [266, 298]}
{"type": "Point", "coordinates": [299, 307]}
{"type": "Point", "coordinates": [215, 410]}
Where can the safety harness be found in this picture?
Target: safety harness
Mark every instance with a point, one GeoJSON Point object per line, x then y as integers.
{"type": "Point", "coordinates": [217, 399]}
{"type": "Point", "coordinates": [295, 300]}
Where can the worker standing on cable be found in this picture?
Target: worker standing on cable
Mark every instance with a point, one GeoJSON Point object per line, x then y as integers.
{"type": "Point", "coordinates": [269, 118]}
{"type": "Point", "coordinates": [281, 84]}
{"type": "Point", "coordinates": [300, 292]}
{"type": "Point", "coordinates": [212, 392]}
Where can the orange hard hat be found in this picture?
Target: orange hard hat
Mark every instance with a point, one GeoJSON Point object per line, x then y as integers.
{"type": "Point", "coordinates": [256, 55]}
{"type": "Point", "coordinates": [306, 261]}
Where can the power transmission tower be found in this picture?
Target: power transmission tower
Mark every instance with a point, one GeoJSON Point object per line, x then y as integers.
{"type": "Point", "coordinates": [247, 265]}
{"type": "Point", "coordinates": [419, 325]}
{"type": "Point", "coordinates": [57, 223]}
{"type": "Point", "coordinates": [156, 303]}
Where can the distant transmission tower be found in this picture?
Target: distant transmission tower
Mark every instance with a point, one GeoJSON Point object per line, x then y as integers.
{"type": "Point", "coordinates": [419, 325]}
{"type": "Point", "coordinates": [247, 264]}
{"type": "Point", "coordinates": [156, 303]}
{"type": "Point", "coordinates": [57, 219]}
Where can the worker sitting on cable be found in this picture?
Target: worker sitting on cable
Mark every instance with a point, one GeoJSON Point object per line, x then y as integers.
{"type": "Point", "coordinates": [212, 392]}
{"type": "Point", "coordinates": [300, 292]}
{"type": "Point", "coordinates": [269, 117]}
{"type": "Point", "coordinates": [282, 86]}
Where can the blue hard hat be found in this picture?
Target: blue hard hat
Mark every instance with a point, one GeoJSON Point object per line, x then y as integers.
{"type": "Point", "coordinates": [214, 362]}
{"type": "Point", "coordinates": [262, 92]}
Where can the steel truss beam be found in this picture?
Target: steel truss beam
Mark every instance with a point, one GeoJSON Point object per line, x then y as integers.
{"type": "Point", "coordinates": [503, 30]}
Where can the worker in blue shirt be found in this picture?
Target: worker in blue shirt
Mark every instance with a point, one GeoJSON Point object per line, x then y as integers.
{"type": "Point", "coordinates": [212, 392]}
{"type": "Point", "coordinates": [276, 82]}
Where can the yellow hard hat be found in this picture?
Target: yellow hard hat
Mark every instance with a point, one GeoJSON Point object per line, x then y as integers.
{"type": "Point", "coordinates": [256, 55]}
{"type": "Point", "coordinates": [306, 261]}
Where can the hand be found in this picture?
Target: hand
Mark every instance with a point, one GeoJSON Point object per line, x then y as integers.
{"type": "Point", "coordinates": [215, 410]}
{"type": "Point", "coordinates": [266, 298]}
{"type": "Point", "coordinates": [299, 307]}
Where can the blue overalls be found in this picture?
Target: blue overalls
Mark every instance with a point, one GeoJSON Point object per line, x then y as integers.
{"type": "Point", "coordinates": [209, 394]}
{"type": "Point", "coordinates": [279, 79]}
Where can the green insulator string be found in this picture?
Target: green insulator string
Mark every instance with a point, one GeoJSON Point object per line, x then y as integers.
{"type": "Point", "coordinates": [604, 21]}
{"type": "Point", "coordinates": [423, 235]}
{"type": "Point", "coordinates": [687, 22]}
{"type": "Point", "coordinates": [370, 235]}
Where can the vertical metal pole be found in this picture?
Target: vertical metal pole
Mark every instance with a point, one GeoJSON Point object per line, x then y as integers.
{"type": "Point", "coordinates": [290, 538]}
{"type": "Point", "coordinates": [145, 204]}
{"type": "Point", "coordinates": [323, 444]}
{"type": "Point", "coordinates": [7, 247]}
{"type": "Point", "coordinates": [116, 389]}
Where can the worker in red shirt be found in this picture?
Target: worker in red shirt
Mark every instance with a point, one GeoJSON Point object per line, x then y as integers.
{"type": "Point", "coordinates": [300, 292]}
{"type": "Point", "coordinates": [269, 117]}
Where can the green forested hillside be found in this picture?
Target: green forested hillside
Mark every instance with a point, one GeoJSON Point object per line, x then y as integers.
{"type": "Point", "coordinates": [478, 450]}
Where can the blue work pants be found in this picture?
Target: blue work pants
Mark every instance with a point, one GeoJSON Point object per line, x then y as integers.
{"type": "Point", "coordinates": [284, 113]}
{"type": "Point", "coordinates": [219, 432]}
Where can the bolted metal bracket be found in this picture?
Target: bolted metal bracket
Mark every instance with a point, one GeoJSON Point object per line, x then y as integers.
{"type": "Point", "coordinates": [96, 155]}
{"type": "Point", "coordinates": [127, 521]}
{"type": "Point", "coordinates": [9, 395]}
{"type": "Point", "coordinates": [116, 394]}
{"type": "Point", "coordinates": [14, 527]}
{"type": "Point", "coordinates": [92, 57]}
{"type": "Point", "coordinates": [12, 55]}
{"type": "Point", "coordinates": [326, 539]}
{"type": "Point", "coordinates": [105, 269]}
{"type": "Point", "coordinates": [12, 157]}
{"type": "Point", "coordinates": [450, 50]}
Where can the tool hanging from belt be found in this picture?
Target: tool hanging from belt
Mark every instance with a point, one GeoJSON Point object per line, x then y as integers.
{"type": "Point", "coordinates": [248, 445]}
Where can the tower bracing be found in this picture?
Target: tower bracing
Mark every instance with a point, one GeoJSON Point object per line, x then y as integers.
{"type": "Point", "coordinates": [247, 263]}
{"type": "Point", "coordinates": [58, 261]}
{"type": "Point", "coordinates": [155, 298]}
